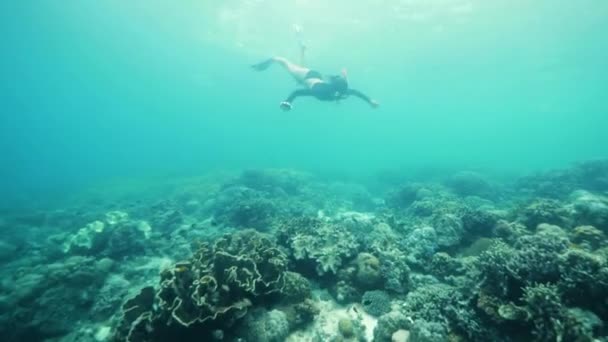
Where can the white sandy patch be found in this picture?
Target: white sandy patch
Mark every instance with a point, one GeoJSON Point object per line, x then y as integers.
{"type": "Point", "coordinates": [156, 263]}
{"type": "Point", "coordinates": [325, 325]}
{"type": "Point", "coordinates": [103, 333]}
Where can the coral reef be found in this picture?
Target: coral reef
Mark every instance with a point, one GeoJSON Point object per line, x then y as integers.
{"type": "Point", "coordinates": [468, 183]}
{"type": "Point", "coordinates": [116, 236]}
{"type": "Point", "coordinates": [442, 265]}
{"type": "Point", "coordinates": [588, 236]}
{"type": "Point", "coordinates": [384, 243]}
{"type": "Point", "coordinates": [86, 239]}
{"type": "Point", "coordinates": [449, 229]}
{"type": "Point", "coordinates": [421, 244]}
{"type": "Point", "coordinates": [546, 311]}
{"type": "Point", "coordinates": [376, 303]}
{"type": "Point", "coordinates": [279, 255]}
{"type": "Point", "coordinates": [543, 211]}
{"type": "Point", "coordinates": [43, 297]}
{"type": "Point", "coordinates": [301, 314]}
{"type": "Point", "coordinates": [274, 181]}
{"type": "Point", "coordinates": [265, 326]}
{"type": "Point", "coordinates": [590, 209]}
{"type": "Point", "coordinates": [539, 281]}
{"type": "Point", "coordinates": [296, 288]}
{"type": "Point", "coordinates": [244, 208]}
{"type": "Point", "coordinates": [323, 245]}
{"type": "Point", "coordinates": [559, 184]}
{"type": "Point", "coordinates": [425, 331]}
{"type": "Point", "coordinates": [405, 195]}
{"type": "Point", "coordinates": [336, 323]}
{"type": "Point", "coordinates": [389, 324]}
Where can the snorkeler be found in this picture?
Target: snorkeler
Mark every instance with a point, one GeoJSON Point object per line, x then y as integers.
{"type": "Point", "coordinates": [334, 88]}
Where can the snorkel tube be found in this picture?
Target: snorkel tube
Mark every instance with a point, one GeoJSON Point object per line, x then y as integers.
{"type": "Point", "coordinates": [344, 73]}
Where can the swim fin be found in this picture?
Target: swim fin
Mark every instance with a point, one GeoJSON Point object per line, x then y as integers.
{"type": "Point", "coordinates": [262, 65]}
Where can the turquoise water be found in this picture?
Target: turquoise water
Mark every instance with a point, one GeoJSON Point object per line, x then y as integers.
{"type": "Point", "coordinates": [100, 90]}
{"type": "Point", "coordinates": [153, 190]}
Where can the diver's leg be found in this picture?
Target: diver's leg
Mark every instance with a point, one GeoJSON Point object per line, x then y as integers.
{"type": "Point", "coordinates": [297, 71]}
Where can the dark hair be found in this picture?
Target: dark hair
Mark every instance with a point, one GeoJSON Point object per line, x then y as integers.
{"type": "Point", "coordinates": [339, 83]}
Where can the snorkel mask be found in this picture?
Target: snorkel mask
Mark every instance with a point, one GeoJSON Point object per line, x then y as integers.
{"type": "Point", "coordinates": [340, 84]}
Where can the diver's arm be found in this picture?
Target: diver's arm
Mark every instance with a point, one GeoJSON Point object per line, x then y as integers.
{"type": "Point", "coordinates": [363, 97]}
{"type": "Point", "coordinates": [286, 105]}
{"type": "Point", "coordinates": [298, 93]}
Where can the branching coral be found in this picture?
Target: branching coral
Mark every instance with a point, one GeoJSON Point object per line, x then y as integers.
{"type": "Point", "coordinates": [546, 310]}
{"type": "Point", "coordinates": [445, 307]}
{"type": "Point", "coordinates": [584, 280]}
{"type": "Point", "coordinates": [443, 265]}
{"type": "Point", "coordinates": [384, 243]}
{"type": "Point", "coordinates": [538, 256]}
{"type": "Point", "coordinates": [532, 283]}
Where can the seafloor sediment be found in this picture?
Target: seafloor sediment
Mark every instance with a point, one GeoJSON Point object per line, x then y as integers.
{"type": "Point", "coordinates": [280, 255]}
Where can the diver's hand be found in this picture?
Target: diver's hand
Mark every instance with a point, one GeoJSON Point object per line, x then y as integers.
{"type": "Point", "coordinates": [374, 103]}
{"type": "Point", "coordinates": [285, 106]}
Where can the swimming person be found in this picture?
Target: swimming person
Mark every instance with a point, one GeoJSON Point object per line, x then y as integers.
{"type": "Point", "coordinates": [333, 88]}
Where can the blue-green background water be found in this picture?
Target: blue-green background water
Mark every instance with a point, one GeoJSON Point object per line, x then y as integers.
{"type": "Point", "coordinates": [99, 90]}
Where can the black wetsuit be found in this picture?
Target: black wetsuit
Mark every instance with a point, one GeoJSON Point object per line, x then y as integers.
{"type": "Point", "coordinates": [325, 91]}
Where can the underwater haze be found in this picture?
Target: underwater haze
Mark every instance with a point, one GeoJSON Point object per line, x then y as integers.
{"type": "Point", "coordinates": [98, 90]}
{"type": "Point", "coordinates": [442, 177]}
